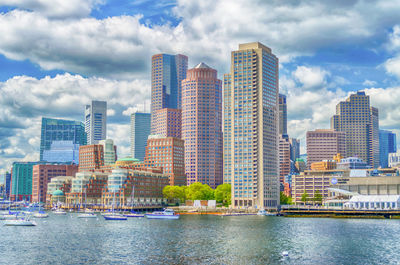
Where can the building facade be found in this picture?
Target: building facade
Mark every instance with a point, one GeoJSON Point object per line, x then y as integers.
{"type": "Point", "coordinates": [294, 149]}
{"type": "Point", "coordinates": [96, 121]}
{"type": "Point", "coordinates": [86, 189]}
{"type": "Point", "coordinates": [284, 157]}
{"type": "Point", "coordinates": [7, 184]}
{"type": "Point", "coordinates": [91, 157]}
{"type": "Point", "coordinates": [394, 159]}
{"type": "Point", "coordinates": [21, 181]}
{"type": "Point", "coordinates": [324, 144]}
{"type": "Point", "coordinates": [251, 127]}
{"type": "Point", "coordinates": [360, 122]}
{"type": "Point", "coordinates": [202, 125]}
{"type": "Point", "coordinates": [60, 130]}
{"type": "Point", "coordinates": [140, 131]}
{"type": "Point", "coordinates": [109, 151]}
{"type": "Point", "coordinates": [167, 73]}
{"type": "Point", "coordinates": [168, 122]}
{"type": "Point", "coordinates": [61, 183]}
{"type": "Point", "coordinates": [387, 145]}
{"type": "Point", "coordinates": [169, 154]}
{"type": "Point", "coordinates": [62, 152]}
{"type": "Point", "coordinates": [282, 114]}
{"type": "Point", "coordinates": [42, 174]}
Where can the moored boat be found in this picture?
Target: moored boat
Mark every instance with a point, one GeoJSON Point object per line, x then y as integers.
{"type": "Point", "coordinates": [60, 211]}
{"type": "Point", "coordinates": [87, 215]}
{"type": "Point", "coordinates": [133, 214]}
{"type": "Point", "coordinates": [263, 212]}
{"type": "Point", "coordinates": [115, 216]}
{"type": "Point", "coordinates": [24, 221]}
{"type": "Point", "coordinates": [166, 214]}
{"type": "Point", "coordinates": [40, 214]}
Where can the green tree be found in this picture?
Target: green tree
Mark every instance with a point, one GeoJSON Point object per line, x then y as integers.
{"type": "Point", "coordinates": [304, 197]}
{"type": "Point", "coordinates": [317, 197]}
{"type": "Point", "coordinates": [198, 191]}
{"type": "Point", "coordinates": [223, 194]}
{"type": "Point", "coordinates": [174, 193]}
{"type": "Point", "coordinates": [285, 200]}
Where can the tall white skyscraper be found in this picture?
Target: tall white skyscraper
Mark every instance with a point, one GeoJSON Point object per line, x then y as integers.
{"type": "Point", "coordinates": [96, 121]}
{"type": "Point", "coordinates": [251, 127]}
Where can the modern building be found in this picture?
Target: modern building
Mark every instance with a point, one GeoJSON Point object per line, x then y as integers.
{"type": "Point", "coordinates": [167, 122]}
{"type": "Point", "coordinates": [387, 145]}
{"type": "Point", "coordinates": [167, 73]}
{"type": "Point", "coordinates": [202, 125]}
{"type": "Point", "coordinates": [7, 184]}
{"type": "Point", "coordinates": [324, 165]}
{"type": "Point", "coordinates": [300, 165]}
{"type": "Point", "coordinates": [323, 144]}
{"type": "Point", "coordinates": [352, 163]}
{"type": "Point", "coordinates": [140, 131]}
{"type": "Point", "coordinates": [360, 122]}
{"type": "Point", "coordinates": [394, 159]}
{"type": "Point", "coordinates": [169, 154]}
{"type": "Point", "coordinates": [109, 151]}
{"type": "Point", "coordinates": [21, 181]}
{"type": "Point", "coordinates": [251, 126]}
{"type": "Point", "coordinates": [43, 173]}
{"type": "Point", "coordinates": [294, 149]}
{"type": "Point", "coordinates": [284, 157]}
{"type": "Point", "coordinates": [135, 188]}
{"type": "Point", "coordinates": [282, 115]}
{"type": "Point", "coordinates": [91, 157]}
{"type": "Point", "coordinates": [62, 152]}
{"type": "Point", "coordinates": [96, 121]}
{"type": "Point", "coordinates": [60, 130]}
{"type": "Point", "coordinates": [86, 188]}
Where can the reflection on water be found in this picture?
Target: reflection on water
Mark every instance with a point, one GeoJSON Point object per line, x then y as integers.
{"type": "Point", "coordinates": [202, 240]}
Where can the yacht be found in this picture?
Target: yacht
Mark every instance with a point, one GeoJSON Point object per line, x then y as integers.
{"type": "Point", "coordinates": [132, 214]}
{"type": "Point", "coordinates": [40, 214]}
{"type": "Point", "coordinates": [263, 212]}
{"type": "Point", "coordinates": [115, 216]}
{"type": "Point", "coordinates": [87, 215]}
{"type": "Point", "coordinates": [60, 211]}
{"type": "Point", "coordinates": [166, 214]}
{"type": "Point", "coordinates": [25, 221]}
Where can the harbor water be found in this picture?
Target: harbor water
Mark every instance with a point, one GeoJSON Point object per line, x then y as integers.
{"type": "Point", "coordinates": [202, 240]}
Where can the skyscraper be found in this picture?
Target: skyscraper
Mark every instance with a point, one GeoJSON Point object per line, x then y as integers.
{"type": "Point", "coordinates": [60, 130]}
{"type": "Point", "coordinates": [202, 125]}
{"type": "Point", "coordinates": [294, 149]}
{"type": "Point", "coordinates": [282, 114]}
{"type": "Point", "coordinates": [387, 145]}
{"type": "Point", "coordinates": [284, 156]}
{"type": "Point", "coordinates": [21, 181]}
{"type": "Point", "coordinates": [140, 131]}
{"type": "Point", "coordinates": [360, 122]}
{"type": "Point", "coordinates": [96, 121]}
{"type": "Point", "coordinates": [62, 152]}
{"type": "Point", "coordinates": [323, 144]}
{"type": "Point", "coordinates": [167, 73]}
{"type": "Point", "coordinates": [251, 126]}
{"type": "Point", "coordinates": [167, 122]}
{"type": "Point", "coordinates": [109, 151]}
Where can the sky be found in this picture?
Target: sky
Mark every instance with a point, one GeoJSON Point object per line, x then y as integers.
{"type": "Point", "coordinates": [56, 56]}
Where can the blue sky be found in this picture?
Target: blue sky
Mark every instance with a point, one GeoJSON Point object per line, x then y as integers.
{"type": "Point", "coordinates": [56, 56]}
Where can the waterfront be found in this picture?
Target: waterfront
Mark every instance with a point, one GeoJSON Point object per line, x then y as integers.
{"type": "Point", "coordinates": [202, 240]}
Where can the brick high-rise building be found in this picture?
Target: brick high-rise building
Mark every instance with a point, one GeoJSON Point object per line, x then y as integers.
{"type": "Point", "coordinates": [324, 144]}
{"type": "Point", "coordinates": [284, 157]}
{"type": "Point", "coordinates": [168, 122]}
{"type": "Point", "coordinates": [360, 122]}
{"type": "Point", "coordinates": [91, 157]}
{"type": "Point", "coordinates": [202, 125]}
{"type": "Point", "coordinates": [251, 127]}
{"type": "Point", "coordinates": [42, 174]}
{"type": "Point", "coordinates": [167, 153]}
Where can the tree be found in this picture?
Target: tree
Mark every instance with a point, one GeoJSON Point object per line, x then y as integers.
{"type": "Point", "coordinates": [317, 197]}
{"type": "Point", "coordinates": [304, 197]}
{"type": "Point", "coordinates": [285, 200]}
{"type": "Point", "coordinates": [198, 191]}
{"type": "Point", "coordinates": [222, 194]}
{"type": "Point", "coordinates": [174, 193]}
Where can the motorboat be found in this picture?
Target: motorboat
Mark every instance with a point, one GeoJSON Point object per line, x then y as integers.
{"type": "Point", "coordinates": [263, 212]}
{"type": "Point", "coordinates": [60, 211]}
{"type": "Point", "coordinates": [133, 214]}
{"type": "Point", "coordinates": [87, 215]}
{"type": "Point", "coordinates": [115, 216]}
{"type": "Point", "coordinates": [40, 214]}
{"type": "Point", "coordinates": [166, 214]}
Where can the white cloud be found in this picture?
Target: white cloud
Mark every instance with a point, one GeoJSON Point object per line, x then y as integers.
{"type": "Point", "coordinates": [392, 66]}
{"type": "Point", "coordinates": [369, 83]}
{"type": "Point", "coordinates": [311, 78]}
{"type": "Point", "coordinates": [110, 112]}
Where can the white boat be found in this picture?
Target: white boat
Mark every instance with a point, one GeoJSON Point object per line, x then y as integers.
{"type": "Point", "coordinates": [166, 214]}
{"type": "Point", "coordinates": [60, 211]}
{"type": "Point", "coordinates": [263, 212]}
{"type": "Point", "coordinates": [40, 214]}
{"type": "Point", "coordinates": [87, 215]}
{"type": "Point", "coordinates": [9, 217]}
{"type": "Point", "coordinates": [25, 221]}
{"type": "Point", "coordinates": [132, 214]}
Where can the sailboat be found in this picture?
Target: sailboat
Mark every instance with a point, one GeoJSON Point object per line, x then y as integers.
{"type": "Point", "coordinates": [114, 216]}
{"type": "Point", "coordinates": [132, 213]}
{"type": "Point", "coordinates": [88, 213]}
{"type": "Point", "coordinates": [40, 213]}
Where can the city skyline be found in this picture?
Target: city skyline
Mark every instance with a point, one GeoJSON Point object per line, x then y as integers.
{"type": "Point", "coordinates": [313, 81]}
